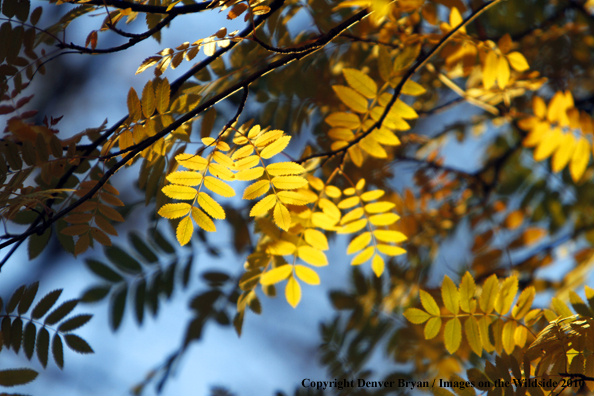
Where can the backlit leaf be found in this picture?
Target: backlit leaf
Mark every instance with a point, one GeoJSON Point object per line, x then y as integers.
{"type": "Point", "coordinates": [364, 256]}
{"type": "Point", "coordinates": [285, 168]}
{"type": "Point", "coordinates": [378, 265]}
{"type": "Point", "coordinates": [307, 275]}
{"type": "Point", "coordinates": [489, 294]}
{"type": "Point", "coordinates": [450, 295]}
{"type": "Point", "coordinates": [359, 243]}
{"type": "Point", "coordinates": [179, 192]}
{"type": "Point", "coordinates": [293, 292]}
{"type": "Point", "coordinates": [191, 161]}
{"type": "Point", "coordinates": [429, 303]}
{"type": "Point", "coordinates": [184, 232]}
{"type": "Point", "coordinates": [185, 178]}
{"type": "Point", "coordinates": [289, 182]}
{"type": "Point", "coordinates": [473, 335]}
{"type": "Point", "coordinates": [210, 206]}
{"type": "Point", "coordinates": [312, 256]}
{"type": "Point", "coordinates": [506, 295]}
{"type": "Point", "coordinates": [354, 100]}
{"type": "Point", "coordinates": [293, 198]}
{"type": "Point", "coordinates": [203, 220]}
{"type": "Point", "coordinates": [263, 206]}
{"type": "Point", "coordinates": [218, 187]}
{"type": "Point", "coordinates": [432, 327]}
{"type": "Point", "coordinates": [518, 61]}
{"type": "Point", "coordinates": [452, 335]}
{"type": "Point", "coordinates": [256, 189]}
{"type": "Point", "coordinates": [467, 290]}
{"type": "Point", "coordinates": [416, 316]}
{"type": "Point", "coordinates": [276, 275]}
{"type": "Point", "coordinates": [275, 147]}
{"type": "Point", "coordinates": [360, 82]}
{"type": "Point", "coordinates": [282, 217]}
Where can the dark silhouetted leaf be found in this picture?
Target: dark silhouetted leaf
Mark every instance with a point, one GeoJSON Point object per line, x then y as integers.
{"type": "Point", "coordinates": [43, 346]}
{"type": "Point", "coordinates": [95, 294]}
{"type": "Point", "coordinates": [28, 298]}
{"type": "Point", "coordinates": [123, 260]}
{"type": "Point", "coordinates": [74, 323]}
{"type": "Point", "coordinates": [46, 303]}
{"type": "Point", "coordinates": [6, 330]}
{"type": "Point", "coordinates": [17, 377]}
{"type": "Point", "coordinates": [58, 350]}
{"type": "Point", "coordinates": [16, 334]}
{"type": "Point", "coordinates": [15, 299]}
{"type": "Point", "coordinates": [162, 242]}
{"type": "Point", "coordinates": [104, 271]}
{"type": "Point", "coordinates": [77, 344]}
{"type": "Point", "coordinates": [29, 339]}
{"type": "Point", "coordinates": [139, 300]}
{"type": "Point", "coordinates": [60, 313]}
{"type": "Point", "coordinates": [118, 306]}
{"type": "Point", "coordinates": [142, 248]}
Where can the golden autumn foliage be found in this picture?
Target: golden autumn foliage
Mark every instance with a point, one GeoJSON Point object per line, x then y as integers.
{"type": "Point", "coordinates": [442, 148]}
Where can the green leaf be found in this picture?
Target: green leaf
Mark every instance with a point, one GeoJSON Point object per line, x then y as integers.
{"type": "Point", "coordinates": [103, 271]}
{"type": "Point", "coordinates": [74, 323]}
{"type": "Point", "coordinates": [46, 303]}
{"type": "Point", "coordinates": [29, 339]}
{"type": "Point", "coordinates": [123, 260]}
{"type": "Point", "coordinates": [16, 377]}
{"type": "Point", "coordinates": [42, 346]}
{"type": "Point", "coordinates": [58, 350]}
{"type": "Point", "coordinates": [59, 313]}
{"type": "Point", "coordinates": [142, 248]}
{"type": "Point", "coordinates": [28, 298]}
{"type": "Point", "coordinates": [77, 344]}
{"type": "Point", "coordinates": [118, 305]}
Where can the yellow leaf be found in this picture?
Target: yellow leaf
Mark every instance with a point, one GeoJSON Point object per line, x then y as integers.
{"type": "Point", "coordinates": [263, 206]}
{"type": "Point", "coordinates": [254, 132]}
{"type": "Point", "coordinates": [268, 137]}
{"type": "Point", "coordinates": [191, 161]}
{"type": "Point", "coordinates": [285, 168]}
{"type": "Point", "coordinates": [352, 215]}
{"type": "Point", "coordinates": [372, 195]}
{"type": "Point", "coordinates": [561, 309]}
{"type": "Point", "coordinates": [333, 191]}
{"type": "Point", "coordinates": [293, 198]}
{"type": "Point", "coordinates": [580, 159]}
{"type": "Point", "coordinates": [508, 336]}
{"type": "Point", "coordinates": [218, 187]}
{"type": "Point", "coordinates": [222, 159]}
{"type": "Point", "coordinates": [490, 70]}
{"type": "Point", "coordinates": [429, 303]}
{"type": "Point", "coordinates": [185, 178]}
{"type": "Point", "coordinates": [348, 202]}
{"type": "Point", "coordinates": [243, 152]}
{"type": "Point", "coordinates": [162, 93]}
{"type": "Point", "coordinates": [345, 120]}
{"type": "Point", "coordinates": [502, 72]}
{"type": "Point", "coordinates": [249, 174]}
{"type": "Point", "coordinates": [489, 294]}
{"type": "Point", "coordinates": [148, 99]}
{"type": "Point", "coordinates": [208, 141]}
{"type": "Point", "coordinates": [379, 207]}
{"type": "Point", "coordinates": [174, 210]}
{"type": "Point", "coordinates": [312, 256]}
{"type": "Point", "coordinates": [385, 137]}
{"type": "Point", "coordinates": [246, 163]}
{"type": "Point", "coordinates": [307, 275]}
{"type": "Point", "coordinates": [416, 316]}
{"type": "Point", "coordinates": [506, 295]}
{"type": "Point", "coordinates": [524, 303]}
{"type": "Point", "coordinates": [179, 192]}
{"type": "Point", "coordinates": [323, 221]}
{"type": "Point", "coordinates": [276, 275]}
{"type": "Point", "coordinates": [467, 290]}
{"type": "Point", "coordinates": [456, 19]}
{"type": "Point", "coordinates": [404, 111]}
{"type": "Point", "coordinates": [185, 229]}
{"type": "Point", "coordinates": [450, 295]}
{"type": "Point", "coordinates": [384, 219]}
{"type": "Point", "coordinates": [293, 292]}
{"type": "Point", "coordinates": [341, 134]}
{"type": "Point", "coordinates": [520, 336]}
{"type": "Point", "coordinates": [473, 335]}
{"type": "Point", "coordinates": [564, 153]}
{"type": "Point", "coordinates": [378, 265]}
{"type": "Point", "coordinates": [389, 236]}
{"type": "Point", "coordinates": [372, 147]}
{"type": "Point", "coordinates": [518, 61]}
{"type": "Point", "coordinates": [220, 171]}
{"type": "Point", "coordinates": [289, 182]}
{"type": "Point", "coordinates": [203, 220]}
{"type": "Point", "coordinates": [484, 323]}
{"type": "Point", "coordinates": [316, 238]}
{"type": "Point", "coordinates": [363, 256]}
{"type": "Point", "coordinates": [549, 143]}
{"type": "Point", "coordinates": [360, 82]}
{"type": "Point", "coordinates": [280, 248]}
{"type": "Point", "coordinates": [256, 189]}
{"type": "Point", "coordinates": [359, 243]}
{"type": "Point", "coordinates": [432, 327]}
{"type": "Point", "coordinates": [355, 226]}
{"type": "Point", "coordinates": [282, 217]}
{"type": "Point", "coordinates": [413, 88]}
{"type": "Point", "coordinates": [276, 147]}
{"type": "Point", "coordinates": [390, 250]}
{"type": "Point", "coordinates": [351, 98]}
{"type": "Point", "coordinates": [452, 335]}
{"type": "Point", "coordinates": [210, 206]}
